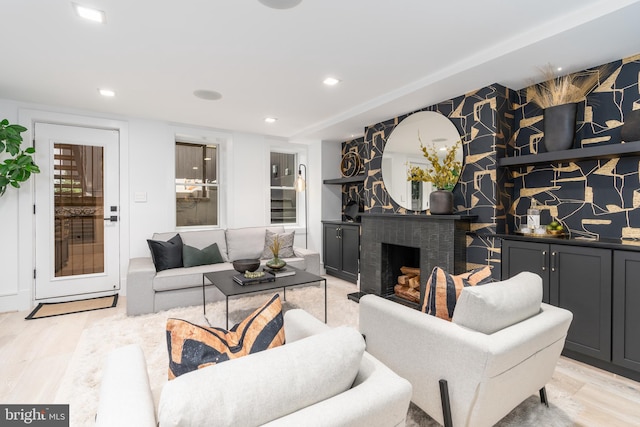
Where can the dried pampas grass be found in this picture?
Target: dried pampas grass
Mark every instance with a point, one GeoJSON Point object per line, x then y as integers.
{"type": "Point", "coordinates": [564, 89]}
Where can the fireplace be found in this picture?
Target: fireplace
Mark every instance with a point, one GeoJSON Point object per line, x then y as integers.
{"type": "Point", "coordinates": [424, 241]}
{"type": "Point", "coordinates": [393, 260]}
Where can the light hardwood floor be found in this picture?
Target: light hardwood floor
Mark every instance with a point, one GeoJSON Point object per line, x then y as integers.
{"type": "Point", "coordinates": [34, 355]}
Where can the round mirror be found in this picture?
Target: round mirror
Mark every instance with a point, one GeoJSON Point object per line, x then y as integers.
{"type": "Point", "coordinates": [402, 152]}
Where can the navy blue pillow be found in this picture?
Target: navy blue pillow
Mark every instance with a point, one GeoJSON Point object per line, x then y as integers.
{"type": "Point", "coordinates": [166, 255]}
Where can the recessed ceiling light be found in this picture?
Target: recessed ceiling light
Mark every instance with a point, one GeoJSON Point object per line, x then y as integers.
{"type": "Point", "coordinates": [559, 68]}
{"type": "Point", "coordinates": [270, 119]}
{"type": "Point", "coordinates": [107, 92]}
{"type": "Point", "coordinates": [331, 81]}
{"type": "Point", "coordinates": [209, 95]}
{"type": "Point", "coordinates": [280, 4]}
{"type": "Point", "coordinates": [89, 13]}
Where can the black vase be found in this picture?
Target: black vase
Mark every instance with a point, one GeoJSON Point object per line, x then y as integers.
{"type": "Point", "coordinates": [441, 202]}
{"type": "Point", "coordinates": [631, 128]}
{"type": "Point", "coordinates": [560, 126]}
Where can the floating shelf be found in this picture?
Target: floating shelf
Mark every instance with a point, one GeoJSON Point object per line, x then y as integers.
{"type": "Point", "coordinates": [348, 180]}
{"type": "Point", "coordinates": [589, 153]}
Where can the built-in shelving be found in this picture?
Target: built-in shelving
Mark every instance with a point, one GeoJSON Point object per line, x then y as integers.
{"type": "Point", "coordinates": [347, 180]}
{"type": "Point", "coordinates": [589, 153]}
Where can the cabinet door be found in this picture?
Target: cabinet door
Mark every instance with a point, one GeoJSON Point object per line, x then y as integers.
{"type": "Point", "coordinates": [350, 236]}
{"type": "Point", "coordinates": [331, 236]}
{"type": "Point", "coordinates": [526, 256]}
{"type": "Point", "coordinates": [626, 315]}
{"type": "Point", "coordinates": [580, 281]}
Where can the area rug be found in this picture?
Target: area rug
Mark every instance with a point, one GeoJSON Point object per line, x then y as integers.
{"type": "Point", "coordinates": [81, 383]}
{"type": "Point", "coordinates": [60, 308]}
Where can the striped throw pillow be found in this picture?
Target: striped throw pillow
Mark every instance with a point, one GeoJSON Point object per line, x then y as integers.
{"type": "Point", "coordinates": [443, 289]}
{"type": "Point", "coordinates": [193, 347]}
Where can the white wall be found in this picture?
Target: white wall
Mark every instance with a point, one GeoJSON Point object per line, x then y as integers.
{"type": "Point", "coordinates": [10, 294]}
{"type": "Point", "coordinates": [148, 168]}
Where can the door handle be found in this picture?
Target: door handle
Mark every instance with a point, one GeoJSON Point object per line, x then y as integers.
{"type": "Point", "coordinates": [112, 218]}
{"type": "Point", "coordinates": [544, 260]}
{"type": "Point", "coordinates": [553, 261]}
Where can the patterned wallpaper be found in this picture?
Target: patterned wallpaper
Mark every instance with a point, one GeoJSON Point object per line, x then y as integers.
{"type": "Point", "coordinates": [594, 198]}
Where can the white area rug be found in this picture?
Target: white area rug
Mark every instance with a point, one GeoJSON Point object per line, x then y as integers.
{"type": "Point", "coordinates": [81, 384]}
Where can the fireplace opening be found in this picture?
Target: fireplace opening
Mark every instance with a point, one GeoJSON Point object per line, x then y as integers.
{"type": "Point", "coordinates": [400, 273]}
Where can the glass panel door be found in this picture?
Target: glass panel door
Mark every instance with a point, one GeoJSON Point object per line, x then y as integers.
{"type": "Point", "coordinates": [76, 213]}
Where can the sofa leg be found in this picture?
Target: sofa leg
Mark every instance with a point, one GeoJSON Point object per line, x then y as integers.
{"type": "Point", "coordinates": [446, 404]}
{"type": "Point", "coordinates": [543, 397]}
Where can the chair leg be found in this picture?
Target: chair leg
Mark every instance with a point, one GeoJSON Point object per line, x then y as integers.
{"type": "Point", "coordinates": [543, 397]}
{"type": "Point", "coordinates": [446, 404]}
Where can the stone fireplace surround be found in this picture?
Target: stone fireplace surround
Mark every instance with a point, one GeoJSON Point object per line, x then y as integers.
{"type": "Point", "coordinates": [441, 240]}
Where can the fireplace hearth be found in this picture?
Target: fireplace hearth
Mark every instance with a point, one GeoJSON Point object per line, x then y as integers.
{"type": "Point", "coordinates": [391, 241]}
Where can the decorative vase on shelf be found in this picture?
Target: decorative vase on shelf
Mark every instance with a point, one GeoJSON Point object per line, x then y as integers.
{"type": "Point", "coordinates": [560, 126]}
{"type": "Point", "coordinates": [416, 195]}
{"type": "Point", "coordinates": [441, 202]}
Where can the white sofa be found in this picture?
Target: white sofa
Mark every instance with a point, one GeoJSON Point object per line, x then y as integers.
{"type": "Point", "coordinates": [149, 291]}
{"type": "Point", "coordinates": [501, 347]}
{"type": "Point", "coordinates": [321, 377]}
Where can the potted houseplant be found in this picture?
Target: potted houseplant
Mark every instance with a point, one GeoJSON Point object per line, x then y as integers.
{"type": "Point", "coordinates": [16, 165]}
{"type": "Point", "coordinates": [443, 173]}
{"type": "Point", "coordinates": [559, 96]}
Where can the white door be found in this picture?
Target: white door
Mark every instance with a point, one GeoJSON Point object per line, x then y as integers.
{"type": "Point", "coordinates": [77, 211]}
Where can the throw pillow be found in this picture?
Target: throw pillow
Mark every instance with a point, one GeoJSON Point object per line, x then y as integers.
{"type": "Point", "coordinates": [193, 347]}
{"type": "Point", "coordinates": [167, 254]}
{"type": "Point", "coordinates": [443, 289]}
{"type": "Point", "coordinates": [193, 256]}
{"type": "Point", "coordinates": [286, 244]}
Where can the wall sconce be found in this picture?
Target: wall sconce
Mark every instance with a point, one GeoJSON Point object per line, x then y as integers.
{"type": "Point", "coordinates": [300, 186]}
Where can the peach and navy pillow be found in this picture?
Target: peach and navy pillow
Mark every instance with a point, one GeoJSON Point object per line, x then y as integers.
{"type": "Point", "coordinates": [443, 289]}
{"type": "Point", "coordinates": [193, 347]}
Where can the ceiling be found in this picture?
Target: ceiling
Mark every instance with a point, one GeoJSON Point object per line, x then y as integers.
{"type": "Point", "coordinates": [392, 57]}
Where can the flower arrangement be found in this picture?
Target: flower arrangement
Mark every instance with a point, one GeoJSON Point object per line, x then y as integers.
{"type": "Point", "coordinates": [275, 247]}
{"type": "Point", "coordinates": [561, 90]}
{"type": "Point", "coordinates": [442, 174]}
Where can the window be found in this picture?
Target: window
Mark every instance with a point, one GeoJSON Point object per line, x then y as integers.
{"type": "Point", "coordinates": [197, 192]}
{"type": "Point", "coordinates": [283, 194]}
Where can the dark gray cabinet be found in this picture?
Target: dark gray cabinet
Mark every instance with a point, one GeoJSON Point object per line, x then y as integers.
{"type": "Point", "coordinates": [341, 251]}
{"type": "Point", "coordinates": [576, 278]}
{"type": "Point", "coordinates": [626, 311]}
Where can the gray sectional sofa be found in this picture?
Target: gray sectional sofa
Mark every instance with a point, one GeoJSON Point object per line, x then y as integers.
{"type": "Point", "coordinates": [149, 291]}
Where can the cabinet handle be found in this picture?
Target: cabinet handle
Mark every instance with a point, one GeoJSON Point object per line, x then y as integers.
{"type": "Point", "coordinates": [553, 261]}
{"type": "Point", "coordinates": [544, 260]}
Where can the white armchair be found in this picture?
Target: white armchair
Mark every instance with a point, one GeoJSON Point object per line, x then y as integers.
{"type": "Point", "coordinates": [501, 346]}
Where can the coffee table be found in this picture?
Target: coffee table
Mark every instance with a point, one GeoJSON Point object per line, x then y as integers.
{"type": "Point", "coordinates": [223, 280]}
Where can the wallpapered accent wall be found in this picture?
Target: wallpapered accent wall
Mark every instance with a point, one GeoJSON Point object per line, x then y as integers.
{"type": "Point", "coordinates": [480, 119]}
{"type": "Point", "coordinates": [593, 198]}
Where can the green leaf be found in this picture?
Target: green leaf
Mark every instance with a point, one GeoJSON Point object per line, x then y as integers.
{"type": "Point", "coordinates": [4, 122]}
{"type": "Point", "coordinates": [30, 150]}
{"type": "Point", "coordinates": [15, 184]}
{"type": "Point", "coordinates": [17, 128]}
{"type": "Point", "coordinates": [1, 146]}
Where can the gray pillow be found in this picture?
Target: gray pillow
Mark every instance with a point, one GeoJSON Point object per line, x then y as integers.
{"type": "Point", "coordinates": [193, 256]}
{"type": "Point", "coordinates": [286, 244]}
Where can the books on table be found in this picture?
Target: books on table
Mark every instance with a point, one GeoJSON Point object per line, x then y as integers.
{"type": "Point", "coordinates": [241, 280]}
{"type": "Point", "coordinates": [282, 272]}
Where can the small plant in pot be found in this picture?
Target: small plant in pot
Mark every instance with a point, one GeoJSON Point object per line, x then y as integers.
{"type": "Point", "coordinates": [443, 173]}
{"type": "Point", "coordinates": [16, 165]}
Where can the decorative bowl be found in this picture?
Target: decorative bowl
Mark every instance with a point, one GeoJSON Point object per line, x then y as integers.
{"type": "Point", "coordinates": [242, 265]}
